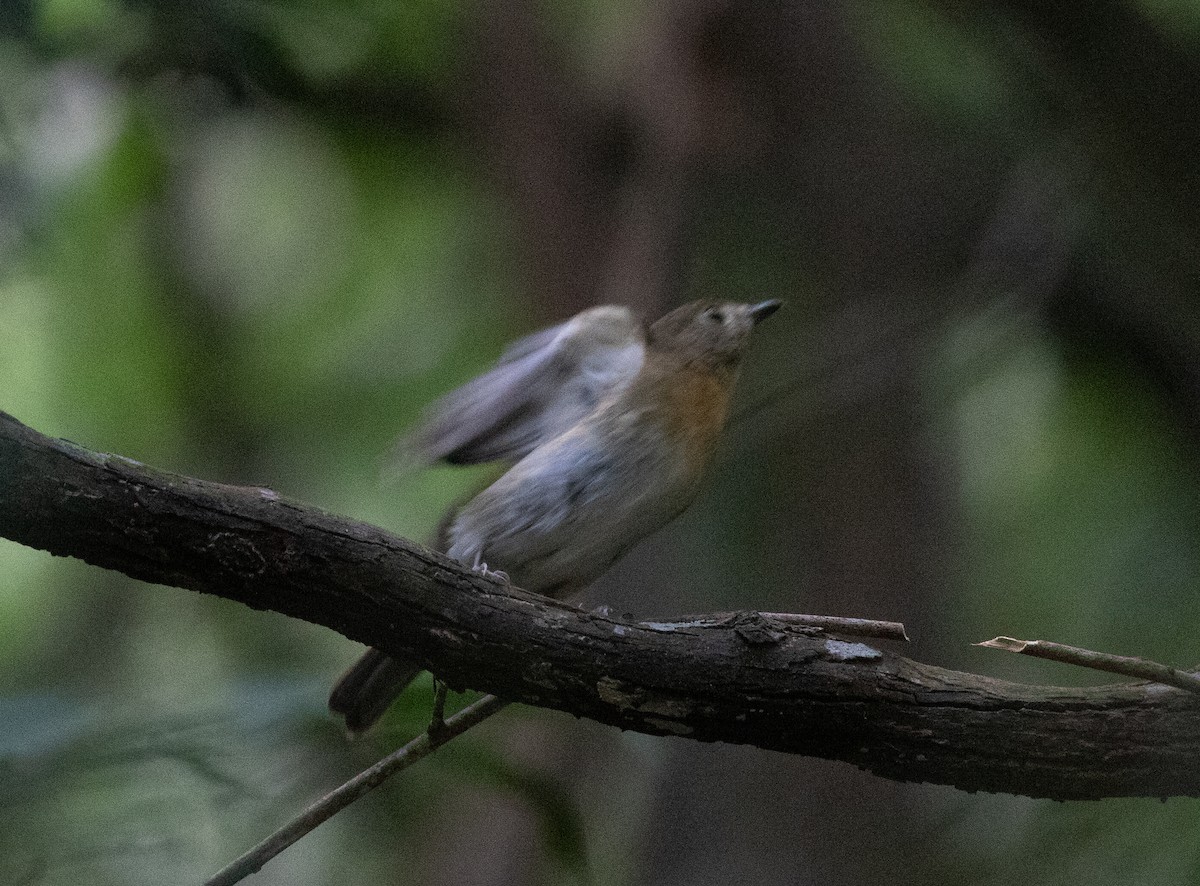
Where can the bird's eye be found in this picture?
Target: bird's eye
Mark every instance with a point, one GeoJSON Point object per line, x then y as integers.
{"type": "Point", "coordinates": [715, 314]}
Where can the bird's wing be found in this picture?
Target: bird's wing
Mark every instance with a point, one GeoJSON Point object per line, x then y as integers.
{"type": "Point", "coordinates": [542, 385]}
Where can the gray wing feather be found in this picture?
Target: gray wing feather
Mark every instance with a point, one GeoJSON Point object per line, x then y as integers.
{"type": "Point", "coordinates": [488, 417]}
{"type": "Point", "coordinates": [535, 341]}
{"type": "Point", "coordinates": [542, 385]}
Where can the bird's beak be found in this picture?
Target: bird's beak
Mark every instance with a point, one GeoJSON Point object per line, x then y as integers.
{"type": "Point", "coordinates": [765, 309]}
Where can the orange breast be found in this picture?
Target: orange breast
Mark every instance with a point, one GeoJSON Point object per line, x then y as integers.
{"type": "Point", "coordinates": [697, 406]}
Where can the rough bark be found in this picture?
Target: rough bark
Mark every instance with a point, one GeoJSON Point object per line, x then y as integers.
{"type": "Point", "coordinates": [742, 678]}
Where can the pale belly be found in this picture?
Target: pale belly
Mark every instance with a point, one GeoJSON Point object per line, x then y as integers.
{"type": "Point", "coordinates": [564, 513]}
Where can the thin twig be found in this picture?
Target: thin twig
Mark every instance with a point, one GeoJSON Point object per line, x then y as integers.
{"type": "Point", "coordinates": [437, 721]}
{"type": "Point", "coordinates": [858, 627]}
{"type": "Point", "coordinates": [1138, 668]}
{"type": "Point", "coordinates": [337, 799]}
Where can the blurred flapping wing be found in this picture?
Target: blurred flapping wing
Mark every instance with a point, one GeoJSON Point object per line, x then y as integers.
{"type": "Point", "coordinates": [542, 385]}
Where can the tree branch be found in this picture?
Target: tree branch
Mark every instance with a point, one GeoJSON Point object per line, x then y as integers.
{"type": "Point", "coordinates": [744, 678]}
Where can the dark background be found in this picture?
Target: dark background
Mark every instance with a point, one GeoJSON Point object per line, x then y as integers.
{"type": "Point", "coordinates": [249, 241]}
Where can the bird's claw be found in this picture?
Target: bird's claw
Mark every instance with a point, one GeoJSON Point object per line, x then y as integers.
{"type": "Point", "coordinates": [496, 575]}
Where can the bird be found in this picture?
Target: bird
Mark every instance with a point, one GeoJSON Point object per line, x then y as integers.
{"type": "Point", "coordinates": [609, 424]}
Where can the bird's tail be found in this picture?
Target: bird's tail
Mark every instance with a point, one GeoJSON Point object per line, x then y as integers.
{"type": "Point", "coordinates": [369, 687]}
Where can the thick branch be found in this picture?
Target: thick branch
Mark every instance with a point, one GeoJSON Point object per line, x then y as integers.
{"type": "Point", "coordinates": [746, 678]}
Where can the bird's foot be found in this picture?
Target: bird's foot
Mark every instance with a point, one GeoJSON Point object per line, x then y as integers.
{"type": "Point", "coordinates": [496, 575]}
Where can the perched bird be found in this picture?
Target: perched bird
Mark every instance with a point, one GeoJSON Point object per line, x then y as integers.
{"type": "Point", "coordinates": [610, 425]}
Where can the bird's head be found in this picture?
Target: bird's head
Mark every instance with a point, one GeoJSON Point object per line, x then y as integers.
{"type": "Point", "coordinates": [709, 333]}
